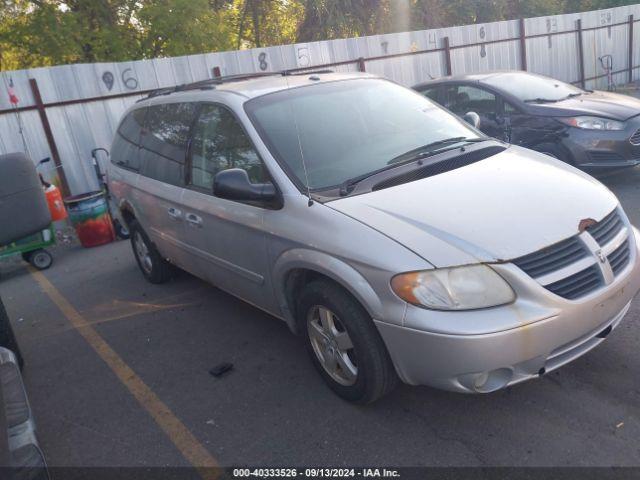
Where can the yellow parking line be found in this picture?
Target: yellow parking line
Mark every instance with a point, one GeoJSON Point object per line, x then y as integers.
{"type": "Point", "coordinates": [177, 432]}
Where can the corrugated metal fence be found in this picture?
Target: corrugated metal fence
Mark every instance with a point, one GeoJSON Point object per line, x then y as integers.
{"type": "Point", "coordinates": [68, 110]}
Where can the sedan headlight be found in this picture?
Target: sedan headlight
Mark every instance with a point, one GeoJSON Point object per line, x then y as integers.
{"type": "Point", "coordinates": [460, 288]}
{"type": "Point", "coordinates": [593, 123]}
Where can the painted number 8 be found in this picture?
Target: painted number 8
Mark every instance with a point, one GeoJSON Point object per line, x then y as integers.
{"type": "Point", "coordinates": [262, 58]}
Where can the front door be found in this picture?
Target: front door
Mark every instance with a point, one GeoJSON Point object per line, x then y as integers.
{"type": "Point", "coordinates": [461, 99]}
{"type": "Point", "coordinates": [227, 237]}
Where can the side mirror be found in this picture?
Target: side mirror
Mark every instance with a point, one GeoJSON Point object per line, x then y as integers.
{"type": "Point", "coordinates": [234, 184]}
{"type": "Point", "coordinates": [472, 118]}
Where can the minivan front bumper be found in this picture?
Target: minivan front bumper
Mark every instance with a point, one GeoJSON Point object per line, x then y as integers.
{"type": "Point", "coordinates": [548, 332]}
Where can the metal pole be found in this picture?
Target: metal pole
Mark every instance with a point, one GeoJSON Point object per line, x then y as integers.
{"type": "Point", "coordinates": [580, 52]}
{"type": "Point", "coordinates": [630, 48]}
{"type": "Point", "coordinates": [361, 65]}
{"type": "Point", "coordinates": [447, 55]}
{"type": "Point", "coordinates": [64, 186]}
{"type": "Point", "coordinates": [523, 46]}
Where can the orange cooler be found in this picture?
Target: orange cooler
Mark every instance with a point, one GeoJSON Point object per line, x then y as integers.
{"type": "Point", "coordinates": [55, 203]}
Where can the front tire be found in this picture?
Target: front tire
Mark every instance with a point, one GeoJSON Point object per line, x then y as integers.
{"type": "Point", "coordinates": [154, 268]}
{"type": "Point", "coordinates": [344, 344]}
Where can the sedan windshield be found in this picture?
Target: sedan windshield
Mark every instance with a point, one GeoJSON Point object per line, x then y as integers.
{"type": "Point", "coordinates": [349, 129]}
{"type": "Point", "coordinates": [531, 88]}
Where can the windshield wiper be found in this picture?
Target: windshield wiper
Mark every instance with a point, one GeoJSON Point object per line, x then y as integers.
{"type": "Point", "coordinates": [430, 149]}
{"type": "Point", "coordinates": [408, 157]}
{"type": "Point", "coordinates": [543, 100]}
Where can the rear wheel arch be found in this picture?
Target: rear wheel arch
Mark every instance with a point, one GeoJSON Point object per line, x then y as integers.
{"type": "Point", "coordinates": [127, 213]}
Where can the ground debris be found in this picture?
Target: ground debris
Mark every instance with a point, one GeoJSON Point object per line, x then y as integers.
{"type": "Point", "coordinates": [221, 369]}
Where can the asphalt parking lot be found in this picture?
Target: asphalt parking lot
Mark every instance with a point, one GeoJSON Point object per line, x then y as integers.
{"type": "Point", "coordinates": [117, 374]}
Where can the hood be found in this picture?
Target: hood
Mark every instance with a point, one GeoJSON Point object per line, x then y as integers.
{"type": "Point", "coordinates": [601, 104]}
{"type": "Point", "coordinates": [498, 209]}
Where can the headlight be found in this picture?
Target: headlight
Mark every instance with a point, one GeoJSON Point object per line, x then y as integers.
{"type": "Point", "coordinates": [459, 288]}
{"type": "Point", "coordinates": [593, 123]}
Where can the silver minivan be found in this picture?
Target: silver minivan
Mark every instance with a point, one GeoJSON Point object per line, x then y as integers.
{"type": "Point", "coordinates": [397, 240]}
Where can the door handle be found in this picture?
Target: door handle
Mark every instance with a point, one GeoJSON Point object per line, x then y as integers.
{"type": "Point", "coordinates": [174, 213]}
{"type": "Point", "coordinates": [194, 219]}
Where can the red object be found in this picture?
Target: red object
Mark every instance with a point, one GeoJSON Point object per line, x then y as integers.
{"type": "Point", "coordinates": [56, 205]}
{"type": "Point", "coordinates": [95, 231]}
{"type": "Point", "coordinates": [89, 214]}
{"type": "Point", "coordinates": [12, 94]}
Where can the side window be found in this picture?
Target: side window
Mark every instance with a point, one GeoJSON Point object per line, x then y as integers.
{"type": "Point", "coordinates": [509, 109]}
{"type": "Point", "coordinates": [463, 99]}
{"type": "Point", "coordinates": [164, 141]}
{"type": "Point", "coordinates": [432, 94]}
{"type": "Point", "coordinates": [219, 143]}
{"type": "Point", "coordinates": [124, 151]}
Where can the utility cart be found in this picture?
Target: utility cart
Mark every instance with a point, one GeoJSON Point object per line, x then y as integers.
{"type": "Point", "coordinates": [32, 248]}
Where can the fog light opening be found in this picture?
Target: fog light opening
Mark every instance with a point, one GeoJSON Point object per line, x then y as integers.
{"type": "Point", "coordinates": [493, 380]}
{"type": "Point", "coordinates": [480, 380]}
{"type": "Point", "coordinates": [542, 371]}
{"type": "Point", "coordinates": [605, 332]}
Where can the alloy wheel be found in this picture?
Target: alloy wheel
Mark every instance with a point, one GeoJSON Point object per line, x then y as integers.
{"type": "Point", "coordinates": [332, 345]}
{"type": "Point", "coordinates": [142, 251]}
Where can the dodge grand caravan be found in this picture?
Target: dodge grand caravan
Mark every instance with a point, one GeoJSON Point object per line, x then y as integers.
{"type": "Point", "coordinates": [397, 240]}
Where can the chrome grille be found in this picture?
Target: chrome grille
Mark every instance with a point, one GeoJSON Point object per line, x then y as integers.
{"type": "Point", "coordinates": [583, 263]}
{"type": "Point", "coordinates": [635, 138]}
{"type": "Point", "coordinates": [620, 257]}
{"type": "Point", "coordinates": [552, 258]}
{"type": "Point", "coordinates": [607, 228]}
{"type": "Point", "coordinates": [578, 284]}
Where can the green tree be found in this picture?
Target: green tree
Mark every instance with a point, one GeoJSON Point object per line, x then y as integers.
{"type": "Point", "coordinates": [51, 32]}
{"type": "Point", "coordinates": [339, 18]}
{"type": "Point", "coordinates": [180, 27]}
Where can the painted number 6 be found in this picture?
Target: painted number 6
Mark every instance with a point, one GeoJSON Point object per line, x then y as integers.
{"type": "Point", "coordinates": [129, 81]}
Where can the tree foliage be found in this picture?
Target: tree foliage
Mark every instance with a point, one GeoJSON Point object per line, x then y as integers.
{"type": "Point", "coordinates": [50, 32]}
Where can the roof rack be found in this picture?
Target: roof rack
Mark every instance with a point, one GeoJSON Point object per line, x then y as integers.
{"type": "Point", "coordinates": [210, 83]}
{"type": "Point", "coordinates": [298, 72]}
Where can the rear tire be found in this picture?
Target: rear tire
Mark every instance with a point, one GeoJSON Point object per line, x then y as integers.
{"type": "Point", "coordinates": [122, 232]}
{"type": "Point", "coordinates": [349, 354]}
{"type": "Point", "coordinates": [152, 265]}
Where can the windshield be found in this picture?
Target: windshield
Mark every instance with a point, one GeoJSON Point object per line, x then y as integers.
{"type": "Point", "coordinates": [528, 87]}
{"type": "Point", "coordinates": [348, 129]}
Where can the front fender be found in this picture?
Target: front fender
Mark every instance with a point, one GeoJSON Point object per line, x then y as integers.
{"type": "Point", "coordinates": [334, 268]}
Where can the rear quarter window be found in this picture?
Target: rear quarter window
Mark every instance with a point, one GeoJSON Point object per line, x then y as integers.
{"type": "Point", "coordinates": [124, 151]}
